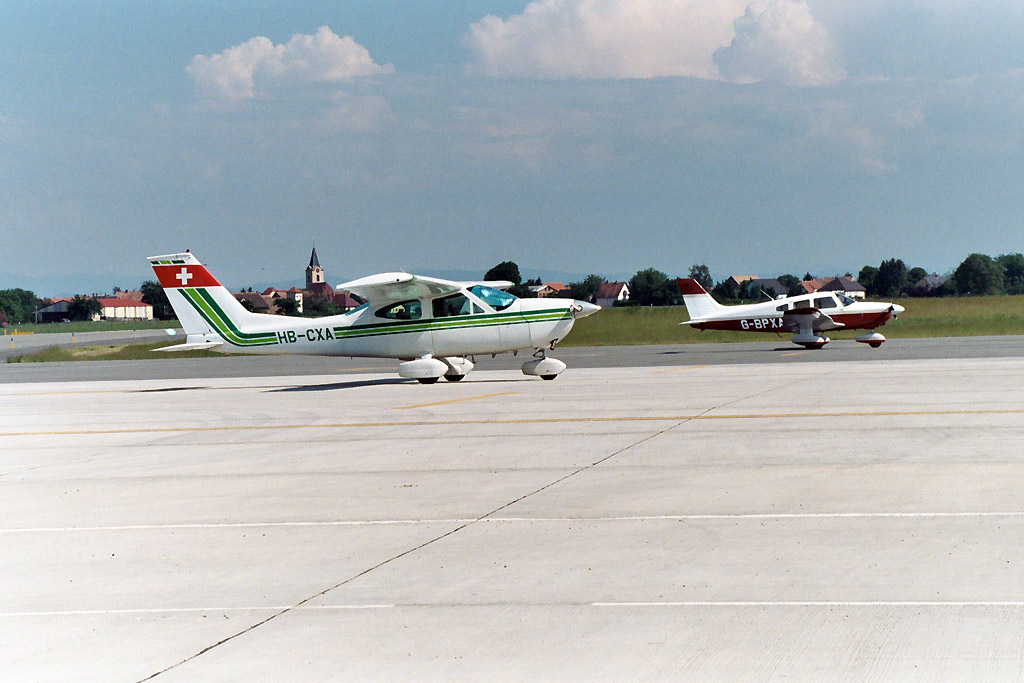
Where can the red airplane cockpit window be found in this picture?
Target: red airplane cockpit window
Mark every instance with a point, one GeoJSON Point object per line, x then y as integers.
{"type": "Point", "coordinates": [844, 300]}
{"type": "Point", "coordinates": [824, 302]}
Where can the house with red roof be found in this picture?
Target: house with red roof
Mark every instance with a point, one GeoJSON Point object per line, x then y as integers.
{"type": "Point", "coordinates": [610, 292]}
{"type": "Point", "coordinates": [549, 289]}
{"type": "Point", "coordinates": [116, 308]}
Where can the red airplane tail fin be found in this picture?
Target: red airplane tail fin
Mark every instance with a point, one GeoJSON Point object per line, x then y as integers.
{"type": "Point", "coordinates": [690, 287]}
{"type": "Point", "coordinates": [698, 302]}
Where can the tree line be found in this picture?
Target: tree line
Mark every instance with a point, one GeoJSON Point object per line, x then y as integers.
{"type": "Point", "coordinates": [977, 275]}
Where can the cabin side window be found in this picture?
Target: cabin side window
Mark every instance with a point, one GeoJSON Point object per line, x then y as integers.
{"type": "Point", "coordinates": [824, 302]}
{"type": "Point", "coordinates": [783, 308]}
{"type": "Point", "coordinates": [404, 310]}
{"type": "Point", "coordinates": [456, 304]}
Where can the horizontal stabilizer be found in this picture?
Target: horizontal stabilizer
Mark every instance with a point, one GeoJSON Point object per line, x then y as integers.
{"type": "Point", "coordinates": [194, 346]}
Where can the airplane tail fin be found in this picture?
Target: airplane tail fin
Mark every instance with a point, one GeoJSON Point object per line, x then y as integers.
{"type": "Point", "coordinates": [207, 310]}
{"type": "Point", "coordinates": [698, 302]}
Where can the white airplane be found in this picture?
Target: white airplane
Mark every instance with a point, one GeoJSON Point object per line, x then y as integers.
{"type": "Point", "coordinates": [435, 326]}
{"type": "Point", "coordinates": [804, 316]}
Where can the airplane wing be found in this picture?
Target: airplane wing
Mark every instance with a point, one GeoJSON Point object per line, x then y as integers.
{"type": "Point", "coordinates": [808, 319]}
{"type": "Point", "coordinates": [385, 287]}
{"type": "Point", "coordinates": [493, 284]}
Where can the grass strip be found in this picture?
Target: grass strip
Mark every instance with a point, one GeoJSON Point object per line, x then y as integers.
{"type": "Point", "coordinates": [94, 326]}
{"type": "Point", "coordinates": [55, 354]}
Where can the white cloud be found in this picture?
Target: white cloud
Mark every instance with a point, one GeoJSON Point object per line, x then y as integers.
{"type": "Point", "coordinates": [237, 72]}
{"type": "Point", "coordinates": [780, 40]}
{"type": "Point", "coordinates": [620, 39]}
{"type": "Point", "coordinates": [605, 39]}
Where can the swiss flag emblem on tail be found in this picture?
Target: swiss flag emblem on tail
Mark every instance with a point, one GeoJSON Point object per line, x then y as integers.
{"type": "Point", "coordinates": [189, 275]}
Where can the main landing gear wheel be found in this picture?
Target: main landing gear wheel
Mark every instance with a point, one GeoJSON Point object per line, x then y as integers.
{"type": "Point", "coordinates": [810, 341]}
{"type": "Point", "coordinates": [427, 380]}
{"type": "Point", "coordinates": [548, 376]}
{"type": "Point", "coordinates": [453, 378]}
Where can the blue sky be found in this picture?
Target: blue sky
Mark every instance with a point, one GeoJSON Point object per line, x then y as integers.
{"type": "Point", "coordinates": [571, 136]}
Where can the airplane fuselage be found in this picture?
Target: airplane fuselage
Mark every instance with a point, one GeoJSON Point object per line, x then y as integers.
{"type": "Point", "coordinates": [362, 332]}
{"type": "Point", "coordinates": [767, 318]}
{"type": "Point", "coordinates": [805, 316]}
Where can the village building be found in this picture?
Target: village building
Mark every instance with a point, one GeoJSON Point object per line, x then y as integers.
{"type": "Point", "coordinates": [929, 285]}
{"type": "Point", "coordinates": [811, 286]}
{"type": "Point", "coordinates": [115, 308]}
{"type": "Point", "coordinates": [771, 286]}
{"type": "Point", "coordinates": [111, 308]}
{"type": "Point", "coordinates": [547, 289]}
{"type": "Point", "coordinates": [316, 287]}
{"type": "Point", "coordinates": [844, 285]}
{"type": "Point", "coordinates": [56, 311]}
{"type": "Point", "coordinates": [735, 282]}
{"type": "Point", "coordinates": [610, 292]}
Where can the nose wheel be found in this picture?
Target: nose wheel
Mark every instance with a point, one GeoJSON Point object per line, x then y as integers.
{"type": "Point", "coordinates": [872, 339]}
{"type": "Point", "coordinates": [542, 366]}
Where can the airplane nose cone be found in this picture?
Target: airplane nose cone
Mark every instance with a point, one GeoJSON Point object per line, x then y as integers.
{"type": "Point", "coordinates": [581, 309]}
{"type": "Point", "coordinates": [897, 309]}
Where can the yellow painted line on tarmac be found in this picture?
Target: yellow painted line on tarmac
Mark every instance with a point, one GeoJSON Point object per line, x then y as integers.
{"type": "Point", "coordinates": [685, 367]}
{"type": "Point", "coordinates": [454, 400]}
{"type": "Point", "coordinates": [519, 421]}
{"type": "Point", "coordinates": [157, 390]}
{"type": "Point", "coordinates": [792, 353]}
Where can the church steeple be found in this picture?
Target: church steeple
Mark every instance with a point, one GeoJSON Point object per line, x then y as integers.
{"type": "Point", "coordinates": [314, 273]}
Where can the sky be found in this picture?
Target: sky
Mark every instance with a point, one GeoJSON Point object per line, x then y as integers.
{"type": "Point", "coordinates": [570, 136]}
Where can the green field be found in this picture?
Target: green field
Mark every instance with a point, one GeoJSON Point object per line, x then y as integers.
{"type": "Point", "coordinates": [52, 354]}
{"type": "Point", "coordinates": [948, 317]}
{"type": "Point", "coordinates": [941, 317]}
{"type": "Point", "coordinates": [90, 326]}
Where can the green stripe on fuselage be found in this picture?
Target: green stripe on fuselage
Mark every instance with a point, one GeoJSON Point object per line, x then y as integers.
{"type": "Point", "coordinates": [456, 322]}
{"type": "Point", "coordinates": [230, 324]}
{"type": "Point", "coordinates": [199, 299]}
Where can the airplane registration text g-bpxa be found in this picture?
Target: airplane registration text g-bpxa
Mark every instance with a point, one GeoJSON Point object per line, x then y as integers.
{"type": "Point", "coordinates": [433, 325]}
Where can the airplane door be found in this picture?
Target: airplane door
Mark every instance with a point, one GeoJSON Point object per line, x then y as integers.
{"type": "Point", "coordinates": [513, 331]}
{"type": "Point", "coordinates": [459, 327]}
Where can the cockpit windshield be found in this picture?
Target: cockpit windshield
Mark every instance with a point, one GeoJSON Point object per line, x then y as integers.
{"type": "Point", "coordinates": [495, 298]}
{"type": "Point", "coordinates": [844, 300]}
